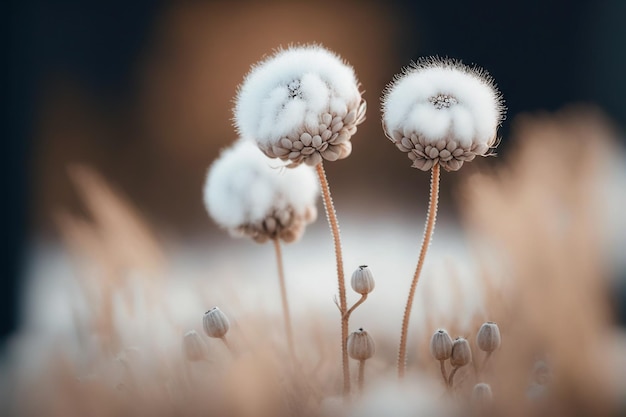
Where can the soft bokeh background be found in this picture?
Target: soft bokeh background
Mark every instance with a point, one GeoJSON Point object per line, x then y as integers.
{"type": "Point", "coordinates": [142, 92]}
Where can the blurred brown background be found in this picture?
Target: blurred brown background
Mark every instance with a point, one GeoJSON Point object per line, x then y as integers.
{"type": "Point", "coordinates": [142, 92]}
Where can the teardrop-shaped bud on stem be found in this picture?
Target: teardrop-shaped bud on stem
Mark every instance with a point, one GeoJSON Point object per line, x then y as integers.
{"type": "Point", "coordinates": [362, 280]}
{"type": "Point", "coordinates": [441, 345]}
{"type": "Point", "coordinates": [193, 347]}
{"type": "Point", "coordinates": [482, 395]}
{"type": "Point", "coordinates": [215, 323]}
{"type": "Point", "coordinates": [361, 345]}
{"type": "Point", "coordinates": [488, 337]}
{"type": "Point", "coordinates": [461, 353]}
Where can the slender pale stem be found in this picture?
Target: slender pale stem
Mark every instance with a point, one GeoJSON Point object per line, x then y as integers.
{"type": "Point", "coordinates": [442, 365]}
{"type": "Point", "coordinates": [430, 226]}
{"type": "Point", "coordinates": [361, 376]}
{"type": "Point", "coordinates": [484, 365]}
{"type": "Point", "coordinates": [228, 345]}
{"type": "Point", "coordinates": [358, 303]}
{"type": "Point", "coordinates": [334, 227]}
{"type": "Point", "coordinates": [283, 296]}
{"type": "Point", "coordinates": [451, 379]}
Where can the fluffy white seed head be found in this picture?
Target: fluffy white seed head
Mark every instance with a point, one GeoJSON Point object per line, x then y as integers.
{"type": "Point", "coordinates": [441, 111]}
{"type": "Point", "coordinates": [215, 323]}
{"type": "Point", "coordinates": [301, 104]}
{"type": "Point", "coordinates": [250, 194]}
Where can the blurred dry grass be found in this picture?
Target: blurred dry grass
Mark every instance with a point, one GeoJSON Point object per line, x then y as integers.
{"type": "Point", "coordinates": [534, 223]}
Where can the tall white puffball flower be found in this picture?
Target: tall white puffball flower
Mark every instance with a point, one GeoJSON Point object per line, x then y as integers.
{"type": "Point", "coordinates": [442, 111]}
{"type": "Point", "coordinates": [250, 194]}
{"type": "Point", "coordinates": [301, 104]}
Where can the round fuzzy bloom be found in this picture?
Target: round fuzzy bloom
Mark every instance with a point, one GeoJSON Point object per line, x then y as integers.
{"type": "Point", "coordinates": [441, 111]}
{"type": "Point", "coordinates": [252, 195]}
{"type": "Point", "coordinates": [302, 104]}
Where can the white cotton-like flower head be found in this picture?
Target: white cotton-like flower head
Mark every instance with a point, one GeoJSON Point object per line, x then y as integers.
{"type": "Point", "coordinates": [250, 194]}
{"type": "Point", "coordinates": [301, 104]}
{"type": "Point", "coordinates": [441, 111]}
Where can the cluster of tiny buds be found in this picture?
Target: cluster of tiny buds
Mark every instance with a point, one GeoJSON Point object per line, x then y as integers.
{"type": "Point", "coordinates": [361, 345]}
{"type": "Point", "coordinates": [215, 323]}
{"type": "Point", "coordinates": [442, 348]}
{"type": "Point", "coordinates": [442, 100]}
{"type": "Point", "coordinates": [488, 338]}
{"type": "Point", "coordinates": [362, 280]}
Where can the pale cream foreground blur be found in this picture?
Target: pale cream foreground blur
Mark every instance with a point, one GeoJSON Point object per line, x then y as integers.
{"type": "Point", "coordinates": [536, 249]}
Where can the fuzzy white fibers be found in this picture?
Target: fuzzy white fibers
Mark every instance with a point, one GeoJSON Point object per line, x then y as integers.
{"type": "Point", "coordinates": [290, 90]}
{"type": "Point", "coordinates": [244, 186]}
{"type": "Point", "coordinates": [471, 116]}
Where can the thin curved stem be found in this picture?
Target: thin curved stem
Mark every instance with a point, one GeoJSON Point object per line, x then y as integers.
{"type": "Point", "coordinates": [334, 227]}
{"type": "Point", "coordinates": [358, 303]}
{"type": "Point", "coordinates": [228, 345]}
{"type": "Point", "coordinates": [430, 226]}
{"type": "Point", "coordinates": [283, 296]}
{"type": "Point", "coordinates": [451, 379]}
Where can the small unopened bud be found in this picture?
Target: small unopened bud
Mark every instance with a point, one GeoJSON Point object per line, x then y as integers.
{"type": "Point", "coordinates": [441, 345]}
{"type": "Point", "coordinates": [541, 373]}
{"type": "Point", "coordinates": [362, 280]}
{"type": "Point", "coordinates": [361, 345]}
{"type": "Point", "coordinates": [482, 395]}
{"type": "Point", "coordinates": [193, 346]}
{"type": "Point", "coordinates": [461, 352]}
{"type": "Point", "coordinates": [488, 337]}
{"type": "Point", "coordinates": [215, 323]}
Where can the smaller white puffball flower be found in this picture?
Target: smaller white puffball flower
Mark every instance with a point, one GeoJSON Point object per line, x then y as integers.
{"type": "Point", "coordinates": [301, 104]}
{"type": "Point", "coordinates": [250, 194]}
{"type": "Point", "coordinates": [441, 111]}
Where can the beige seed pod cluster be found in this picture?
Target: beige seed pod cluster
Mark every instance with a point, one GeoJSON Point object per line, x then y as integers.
{"type": "Point", "coordinates": [488, 337]}
{"type": "Point", "coordinates": [362, 280]}
{"type": "Point", "coordinates": [361, 345]}
{"type": "Point", "coordinates": [461, 354]}
{"type": "Point", "coordinates": [193, 347]}
{"type": "Point", "coordinates": [215, 323]}
{"type": "Point", "coordinates": [284, 224]}
{"type": "Point", "coordinates": [329, 140]}
{"type": "Point", "coordinates": [441, 345]}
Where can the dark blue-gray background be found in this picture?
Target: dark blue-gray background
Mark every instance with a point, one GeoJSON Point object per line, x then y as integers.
{"type": "Point", "coordinates": [544, 55]}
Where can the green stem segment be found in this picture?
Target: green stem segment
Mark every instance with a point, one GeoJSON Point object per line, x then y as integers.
{"type": "Point", "coordinates": [430, 227]}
